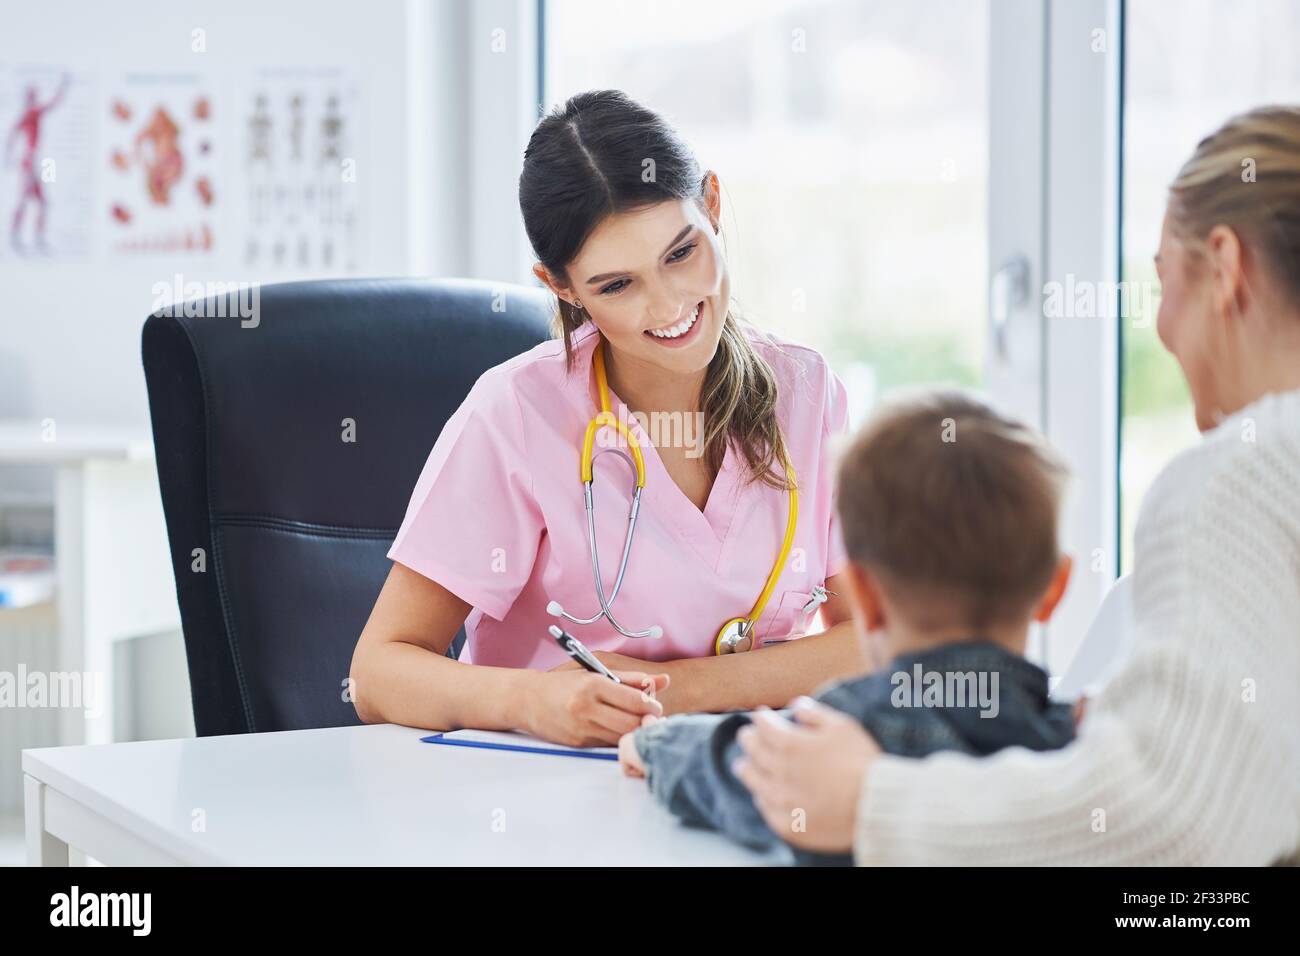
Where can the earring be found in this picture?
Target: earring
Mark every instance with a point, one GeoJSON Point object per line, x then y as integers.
{"type": "Point", "coordinates": [577, 305]}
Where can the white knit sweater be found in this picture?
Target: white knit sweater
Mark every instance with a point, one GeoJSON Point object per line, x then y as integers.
{"type": "Point", "coordinates": [1191, 755]}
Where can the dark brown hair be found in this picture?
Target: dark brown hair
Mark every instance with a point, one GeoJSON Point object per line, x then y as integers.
{"type": "Point", "coordinates": [954, 508]}
{"type": "Point", "coordinates": [586, 161]}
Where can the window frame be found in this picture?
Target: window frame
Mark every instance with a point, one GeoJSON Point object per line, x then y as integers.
{"type": "Point", "coordinates": [1055, 112]}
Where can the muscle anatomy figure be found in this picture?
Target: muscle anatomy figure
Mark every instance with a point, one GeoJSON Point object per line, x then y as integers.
{"type": "Point", "coordinates": [26, 133]}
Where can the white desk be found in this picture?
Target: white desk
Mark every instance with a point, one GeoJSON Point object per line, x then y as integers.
{"type": "Point", "coordinates": [372, 795]}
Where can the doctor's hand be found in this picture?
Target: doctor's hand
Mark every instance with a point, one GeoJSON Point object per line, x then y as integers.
{"type": "Point", "coordinates": [621, 662]}
{"type": "Point", "coordinates": [580, 709]}
{"type": "Point", "coordinates": [806, 777]}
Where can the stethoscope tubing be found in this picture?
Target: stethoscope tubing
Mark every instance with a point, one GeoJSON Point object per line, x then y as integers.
{"type": "Point", "coordinates": [606, 610]}
{"type": "Point", "coordinates": [587, 462]}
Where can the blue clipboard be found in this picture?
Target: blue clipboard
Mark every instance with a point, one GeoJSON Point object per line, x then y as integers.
{"type": "Point", "coordinates": [519, 748]}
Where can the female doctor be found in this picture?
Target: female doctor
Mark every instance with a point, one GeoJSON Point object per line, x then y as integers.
{"type": "Point", "coordinates": [734, 546]}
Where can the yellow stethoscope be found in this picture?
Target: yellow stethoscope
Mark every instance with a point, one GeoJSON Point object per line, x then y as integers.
{"type": "Point", "coordinates": [737, 633]}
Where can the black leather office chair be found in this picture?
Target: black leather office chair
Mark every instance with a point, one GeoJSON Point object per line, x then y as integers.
{"type": "Point", "coordinates": [279, 527]}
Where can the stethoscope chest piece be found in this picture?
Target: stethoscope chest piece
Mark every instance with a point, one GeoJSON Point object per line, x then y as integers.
{"type": "Point", "coordinates": [736, 635]}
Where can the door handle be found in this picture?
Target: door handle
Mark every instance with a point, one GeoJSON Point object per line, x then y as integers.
{"type": "Point", "coordinates": [1008, 291]}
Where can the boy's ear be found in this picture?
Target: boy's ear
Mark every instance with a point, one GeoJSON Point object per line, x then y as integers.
{"type": "Point", "coordinates": [864, 596]}
{"type": "Point", "coordinates": [1055, 590]}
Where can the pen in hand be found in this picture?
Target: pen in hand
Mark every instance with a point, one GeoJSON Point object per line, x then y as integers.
{"type": "Point", "coordinates": [575, 649]}
{"type": "Point", "coordinates": [579, 652]}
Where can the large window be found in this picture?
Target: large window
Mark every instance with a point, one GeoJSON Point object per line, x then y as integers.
{"type": "Point", "coordinates": [851, 143]}
{"type": "Point", "coordinates": [1189, 65]}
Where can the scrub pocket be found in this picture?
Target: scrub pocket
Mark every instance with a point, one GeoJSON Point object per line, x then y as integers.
{"type": "Point", "coordinates": [790, 621]}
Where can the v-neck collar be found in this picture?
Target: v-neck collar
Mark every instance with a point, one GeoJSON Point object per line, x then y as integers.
{"type": "Point", "coordinates": [706, 529]}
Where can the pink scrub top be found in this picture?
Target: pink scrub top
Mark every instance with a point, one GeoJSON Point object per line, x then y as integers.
{"type": "Point", "coordinates": [497, 516]}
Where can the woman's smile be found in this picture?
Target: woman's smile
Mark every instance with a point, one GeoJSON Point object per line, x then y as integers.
{"type": "Point", "coordinates": [680, 333]}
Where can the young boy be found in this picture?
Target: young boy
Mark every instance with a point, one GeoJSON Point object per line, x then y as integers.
{"type": "Point", "coordinates": [949, 515]}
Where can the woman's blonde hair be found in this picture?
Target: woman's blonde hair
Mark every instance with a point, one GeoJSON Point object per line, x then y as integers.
{"type": "Point", "coordinates": [1246, 175]}
{"type": "Point", "coordinates": [587, 160]}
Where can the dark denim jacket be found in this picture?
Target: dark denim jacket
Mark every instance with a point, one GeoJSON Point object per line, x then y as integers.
{"type": "Point", "coordinates": [993, 699]}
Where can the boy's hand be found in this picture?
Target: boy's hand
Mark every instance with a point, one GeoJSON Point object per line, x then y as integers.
{"type": "Point", "coordinates": [628, 758]}
{"type": "Point", "coordinates": [1080, 709]}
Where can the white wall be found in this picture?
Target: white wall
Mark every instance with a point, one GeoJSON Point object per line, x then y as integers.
{"type": "Point", "coordinates": [69, 330]}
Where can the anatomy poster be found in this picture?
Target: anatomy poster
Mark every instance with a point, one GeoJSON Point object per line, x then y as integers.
{"type": "Point", "coordinates": [298, 139]}
{"type": "Point", "coordinates": [161, 160]}
{"type": "Point", "coordinates": [46, 143]}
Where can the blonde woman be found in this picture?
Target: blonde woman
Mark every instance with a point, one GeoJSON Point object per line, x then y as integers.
{"type": "Point", "coordinates": [1192, 754]}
